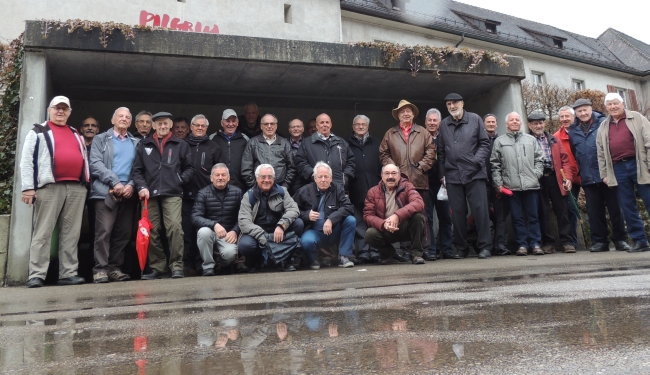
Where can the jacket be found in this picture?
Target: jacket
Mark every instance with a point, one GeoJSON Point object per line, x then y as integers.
{"type": "Point", "coordinates": [414, 158]}
{"type": "Point", "coordinates": [583, 147]}
{"type": "Point", "coordinates": [37, 158]}
{"type": "Point", "coordinates": [232, 152]}
{"type": "Point", "coordinates": [434, 180]}
{"type": "Point", "coordinates": [278, 154]}
{"type": "Point", "coordinates": [208, 209]}
{"type": "Point", "coordinates": [562, 135]}
{"type": "Point", "coordinates": [163, 175]}
{"type": "Point", "coordinates": [337, 203]}
{"type": "Point", "coordinates": [488, 165]}
{"type": "Point", "coordinates": [101, 164]}
{"type": "Point", "coordinates": [298, 180]}
{"type": "Point", "coordinates": [367, 169]}
{"type": "Point", "coordinates": [245, 130]}
{"type": "Point", "coordinates": [560, 161]}
{"type": "Point", "coordinates": [409, 202]}
{"type": "Point", "coordinates": [640, 128]}
{"type": "Point", "coordinates": [336, 153]}
{"type": "Point", "coordinates": [205, 154]}
{"type": "Point", "coordinates": [277, 202]}
{"type": "Point", "coordinates": [463, 149]}
{"type": "Point", "coordinates": [517, 162]}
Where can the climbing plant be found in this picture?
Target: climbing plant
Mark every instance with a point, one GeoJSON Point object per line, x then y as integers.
{"type": "Point", "coordinates": [105, 28]}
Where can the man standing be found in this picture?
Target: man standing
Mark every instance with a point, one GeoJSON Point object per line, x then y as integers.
{"type": "Point", "coordinates": [623, 142]}
{"type": "Point", "coordinates": [232, 144]}
{"type": "Point", "coordinates": [249, 122]}
{"type": "Point", "coordinates": [498, 202]}
{"type": "Point", "coordinates": [393, 212]}
{"type": "Point", "coordinates": [181, 127]}
{"type": "Point", "coordinates": [162, 166]}
{"type": "Point", "coordinates": [54, 169]}
{"type": "Point", "coordinates": [517, 164]}
{"type": "Point", "coordinates": [111, 160]}
{"type": "Point", "coordinates": [89, 129]}
{"type": "Point", "coordinates": [143, 124]}
{"type": "Point", "coordinates": [366, 175]}
{"type": "Point", "coordinates": [268, 148]}
{"type": "Point", "coordinates": [582, 135]}
{"type": "Point", "coordinates": [567, 116]}
{"type": "Point", "coordinates": [553, 188]}
{"type": "Point", "coordinates": [215, 216]}
{"type": "Point", "coordinates": [462, 150]}
{"type": "Point", "coordinates": [311, 127]}
{"type": "Point", "coordinates": [205, 153]}
{"type": "Point", "coordinates": [441, 207]}
{"type": "Point", "coordinates": [296, 130]}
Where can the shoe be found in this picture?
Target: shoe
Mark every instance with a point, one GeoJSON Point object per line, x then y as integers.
{"type": "Point", "coordinates": [178, 274]}
{"type": "Point", "coordinates": [325, 263]}
{"type": "Point", "coordinates": [459, 255]}
{"type": "Point", "coordinates": [72, 280]}
{"type": "Point", "coordinates": [502, 251]}
{"type": "Point", "coordinates": [100, 277]}
{"type": "Point", "coordinates": [522, 251]}
{"type": "Point", "coordinates": [538, 250]}
{"type": "Point", "coordinates": [118, 276]}
{"type": "Point", "coordinates": [622, 246]}
{"type": "Point", "coordinates": [345, 262]}
{"type": "Point", "coordinates": [568, 248]}
{"type": "Point", "coordinates": [287, 267]}
{"type": "Point", "coordinates": [375, 259]}
{"type": "Point", "coordinates": [418, 260]}
{"type": "Point", "coordinates": [35, 282]}
{"type": "Point", "coordinates": [548, 249]}
{"type": "Point", "coordinates": [384, 262]}
{"type": "Point", "coordinates": [209, 272]}
{"type": "Point", "coordinates": [599, 247]}
{"type": "Point", "coordinates": [242, 268]}
{"type": "Point", "coordinates": [427, 255]}
{"type": "Point", "coordinates": [400, 258]}
{"type": "Point", "coordinates": [354, 260]}
{"type": "Point", "coordinates": [448, 256]}
{"type": "Point", "coordinates": [639, 247]}
{"type": "Point", "coordinates": [314, 265]}
{"type": "Point", "coordinates": [484, 254]}
{"type": "Point", "coordinates": [151, 275]}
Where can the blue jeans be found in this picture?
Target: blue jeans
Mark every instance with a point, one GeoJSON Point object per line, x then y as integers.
{"type": "Point", "coordinates": [527, 230]}
{"type": "Point", "coordinates": [625, 172]}
{"type": "Point", "coordinates": [342, 232]}
{"type": "Point", "coordinates": [444, 221]}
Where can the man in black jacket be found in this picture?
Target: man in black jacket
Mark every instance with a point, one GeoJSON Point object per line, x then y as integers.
{"type": "Point", "coordinates": [329, 215]}
{"type": "Point", "coordinates": [249, 122]}
{"type": "Point", "coordinates": [296, 130]}
{"type": "Point", "coordinates": [162, 166]}
{"type": "Point", "coordinates": [232, 144]}
{"type": "Point", "coordinates": [215, 216]}
{"type": "Point", "coordinates": [205, 153]}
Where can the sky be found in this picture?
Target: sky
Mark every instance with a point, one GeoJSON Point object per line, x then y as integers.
{"type": "Point", "coordinates": [631, 17]}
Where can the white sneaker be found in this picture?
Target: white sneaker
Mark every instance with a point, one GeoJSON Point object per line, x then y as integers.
{"type": "Point", "coordinates": [345, 262]}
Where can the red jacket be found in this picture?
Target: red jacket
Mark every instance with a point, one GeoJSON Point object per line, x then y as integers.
{"type": "Point", "coordinates": [563, 137]}
{"type": "Point", "coordinates": [560, 161]}
{"type": "Point", "coordinates": [409, 202]}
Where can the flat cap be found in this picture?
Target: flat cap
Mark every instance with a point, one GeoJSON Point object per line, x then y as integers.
{"type": "Point", "coordinates": [537, 115]}
{"type": "Point", "coordinates": [162, 115]}
{"type": "Point", "coordinates": [453, 97]}
{"type": "Point", "coordinates": [580, 102]}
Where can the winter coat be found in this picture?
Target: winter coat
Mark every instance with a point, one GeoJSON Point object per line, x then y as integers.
{"type": "Point", "coordinates": [639, 126]}
{"type": "Point", "coordinates": [463, 148]}
{"type": "Point", "coordinates": [277, 203]}
{"type": "Point", "coordinates": [409, 202]}
{"type": "Point", "coordinates": [232, 152]}
{"type": "Point", "coordinates": [335, 152]}
{"type": "Point", "coordinates": [517, 162]}
{"type": "Point", "coordinates": [563, 136]}
{"type": "Point", "coordinates": [101, 164]}
{"type": "Point", "coordinates": [583, 147]}
{"type": "Point", "coordinates": [205, 154]}
{"type": "Point", "coordinates": [278, 154]}
{"type": "Point", "coordinates": [367, 170]}
{"type": "Point", "coordinates": [298, 180]}
{"type": "Point", "coordinates": [163, 175]}
{"type": "Point", "coordinates": [37, 159]}
{"type": "Point", "coordinates": [209, 210]}
{"type": "Point", "coordinates": [560, 161]}
{"type": "Point", "coordinates": [414, 158]}
{"type": "Point", "coordinates": [488, 165]}
{"type": "Point", "coordinates": [337, 204]}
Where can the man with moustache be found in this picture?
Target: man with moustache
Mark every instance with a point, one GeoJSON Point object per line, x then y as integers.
{"type": "Point", "coordinates": [232, 144]}
{"type": "Point", "coordinates": [143, 124]}
{"type": "Point", "coordinates": [498, 202]}
{"type": "Point", "coordinates": [181, 127]}
{"type": "Point", "coordinates": [89, 129]}
{"type": "Point", "coordinates": [462, 150]}
{"type": "Point", "coordinates": [567, 116]}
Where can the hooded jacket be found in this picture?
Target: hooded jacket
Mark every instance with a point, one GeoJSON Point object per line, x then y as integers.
{"type": "Point", "coordinates": [583, 147]}
{"type": "Point", "coordinates": [414, 158]}
{"type": "Point", "coordinates": [101, 164]}
{"type": "Point", "coordinates": [337, 204]}
{"type": "Point", "coordinates": [517, 162]}
{"type": "Point", "coordinates": [409, 202]}
{"type": "Point", "coordinates": [205, 154]}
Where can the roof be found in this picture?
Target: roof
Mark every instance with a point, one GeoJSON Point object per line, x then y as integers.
{"type": "Point", "coordinates": [632, 52]}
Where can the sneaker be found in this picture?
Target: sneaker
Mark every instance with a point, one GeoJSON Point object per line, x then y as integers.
{"type": "Point", "coordinates": [314, 265]}
{"type": "Point", "coordinates": [118, 276]}
{"type": "Point", "coordinates": [522, 251]}
{"type": "Point", "coordinates": [345, 262]}
{"type": "Point", "coordinates": [418, 260]}
{"type": "Point", "coordinates": [538, 250]}
{"type": "Point", "coordinates": [100, 277]}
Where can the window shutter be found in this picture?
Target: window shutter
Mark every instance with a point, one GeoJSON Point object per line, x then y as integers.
{"type": "Point", "coordinates": [611, 88]}
{"type": "Point", "coordinates": [634, 105]}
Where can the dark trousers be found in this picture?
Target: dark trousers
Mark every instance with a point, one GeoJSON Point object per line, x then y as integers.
{"type": "Point", "coordinates": [411, 230]}
{"type": "Point", "coordinates": [626, 177]}
{"type": "Point", "coordinates": [550, 194]}
{"type": "Point", "coordinates": [191, 257]}
{"type": "Point", "coordinates": [112, 233]}
{"type": "Point", "coordinates": [498, 216]}
{"type": "Point", "coordinates": [459, 196]}
{"type": "Point", "coordinates": [599, 196]}
{"type": "Point", "coordinates": [523, 206]}
{"type": "Point", "coordinates": [254, 254]}
{"type": "Point", "coordinates": [444, 221]}
{"type": "Point", "coordinates": [573, 213]}
{"type": "Point", "coordinates": [364, 251]}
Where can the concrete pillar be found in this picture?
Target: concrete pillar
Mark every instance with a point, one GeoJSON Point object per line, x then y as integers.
{"type": "Point", "coordinates": [507, 98]}
{"type": "Point", "coordinates": [33, 103]}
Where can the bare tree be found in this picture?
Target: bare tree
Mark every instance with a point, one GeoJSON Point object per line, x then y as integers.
{"type": "Point", "coordinates": [548, 98]}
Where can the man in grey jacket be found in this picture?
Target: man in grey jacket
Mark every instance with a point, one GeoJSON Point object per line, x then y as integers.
{"type": "Point", "coordinates": [517, 164]}
{"type": "Point", "coordinates": [111, 160]}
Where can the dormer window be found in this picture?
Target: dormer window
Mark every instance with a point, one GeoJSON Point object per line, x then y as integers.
{"type": "Point", "coordinates": [491, 27]}
{"type": "Point", "coordinates": [479, 23]}
{"type": "Point", "coordinates": [550, 40]}
{"type": "Point", "coordinates": [557, 42]}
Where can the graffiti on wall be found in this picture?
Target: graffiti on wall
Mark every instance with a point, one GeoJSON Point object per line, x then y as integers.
{"type": "Point", "coordinates": [152, 19]}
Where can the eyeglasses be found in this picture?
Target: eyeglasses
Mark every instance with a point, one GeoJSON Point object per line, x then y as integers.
{"type": "Point", "coordinates": [269, 123]}
{"type": "Point", "coordinates": [266, 177]}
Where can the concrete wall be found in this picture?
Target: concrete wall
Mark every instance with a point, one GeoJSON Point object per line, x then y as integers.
{"type": "Point", "coordinates": [4, 245]}
{"type": "Point", "coordinates": [250, 18]}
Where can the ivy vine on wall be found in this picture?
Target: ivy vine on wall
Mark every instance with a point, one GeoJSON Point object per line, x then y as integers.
{"type": "Point", "coordinates": [105, 28]}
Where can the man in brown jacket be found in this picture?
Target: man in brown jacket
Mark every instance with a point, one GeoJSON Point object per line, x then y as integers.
{"type": "Point", "coordinates": [623, 144]}
{"type": "Point", "coordinates": [394, 212]}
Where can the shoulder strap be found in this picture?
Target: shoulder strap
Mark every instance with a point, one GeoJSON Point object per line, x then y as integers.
{"type": "Point", "coordinates": [280, 190]}
{"type": "Point", "coordinates": [251, 198]}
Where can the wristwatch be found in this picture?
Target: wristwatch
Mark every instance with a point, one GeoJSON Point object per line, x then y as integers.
{"type": "Point", "coordinates": [283, 226]}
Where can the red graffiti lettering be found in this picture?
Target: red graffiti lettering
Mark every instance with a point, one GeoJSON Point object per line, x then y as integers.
{"type": "Point", "coordinates": [152, 19]}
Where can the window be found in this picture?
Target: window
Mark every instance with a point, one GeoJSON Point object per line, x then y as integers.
{"type": "Point", "coordinates": [287, 13]}
{"type": "Point", "coordinates": [479, 23]}
{"type": "Point", "coordinates": [538, 77]}
{"type": "Point", "coordinates": [558, 43]}
{"type": "Point", "coordinates": [491, 27]}
{"type": "Point", "coordinates": [578, 84]}
{"type": "Point", "coordinates": [547, 39]}
{"type": "Point", "coordinates": [623, 94]}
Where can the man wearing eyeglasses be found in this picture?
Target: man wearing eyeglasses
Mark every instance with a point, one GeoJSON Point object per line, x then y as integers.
{"type": "Point", "coordinates": [54, 170]}
{"type": "Point", "coordinates": [268, 148]}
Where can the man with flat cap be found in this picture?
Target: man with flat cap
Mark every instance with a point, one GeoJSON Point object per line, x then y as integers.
{"type": "Point", "coordinates": [463, 146]}
{"type": "Point", "coordinates": [232, 144]}
{"type": "Point", "coordinates": [162, 166]}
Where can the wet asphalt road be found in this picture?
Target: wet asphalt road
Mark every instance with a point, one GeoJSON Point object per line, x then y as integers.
{"type": "Point", "coordinates": [556, 314]}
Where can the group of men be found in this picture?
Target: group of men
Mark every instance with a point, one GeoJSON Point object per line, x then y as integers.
{"type": "Point", "coordinates": [246, 198]}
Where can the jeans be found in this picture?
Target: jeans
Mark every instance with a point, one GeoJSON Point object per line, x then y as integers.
{"type": "Point", "coordinates": [444, 221]}
{"type": "Point", "coordinates": [527, 232]}
{"type": "Point", "coordinates": [364, 251]}
{"type": "Point", "coordinates": [626, 177]}
{"type": "Point", "coordinates": [598, 197]}
{"type": "Point", "coordinates": [256, 255]}
{"type": "Point", "coordinates": [342, 232]}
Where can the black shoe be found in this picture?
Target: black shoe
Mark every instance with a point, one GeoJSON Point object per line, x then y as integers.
{"type": "Point", "coordinates": [622, 246]}
{"type": "Point", "coordinates": [599, 247]}
{"type": "Point", "coordinates": [242, 268]}
{"type": "Point", "coordinates": [375, 259]}
{"type": "Point", "coordinates": [639, 247]}
{"type": "Point", "coordinates": [459, 255]}
{"type": "Point", "coordinates": [448, 256]}
{"type": "Point", "coordinates": [287, 267]}
{"type": "Point", "coordinates": [325, 263]}
{"type": "Point", "coordinates": [400, 258]}
{"type": "Point", "coordinates": [178, 274]}
{"type": "Point", "coordinates": [354, 260]}
{"type": "Point", "coordinates": [72, 280]}
{"type": "Point", "coordinates": [151, 275]}
{"type": "Point", "coordinates": [502, 250]}
{"type": "Point", "coordinates": [484, 254]}
{"type": "Point", "coordinates": [35, 282]}
{"type": "Point", "coordinates": [427, 255]}
{"type": "Point", "coordinates": [209, 272]}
